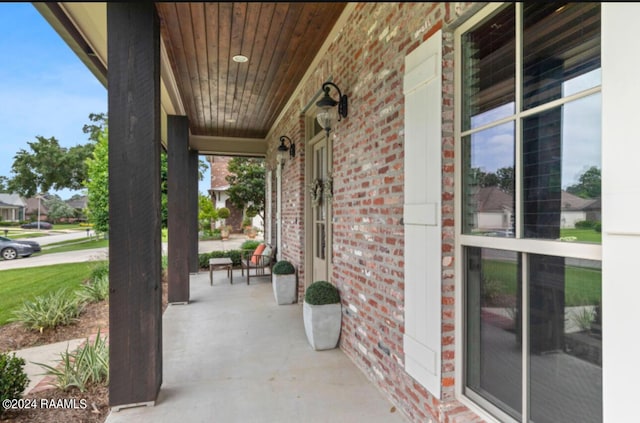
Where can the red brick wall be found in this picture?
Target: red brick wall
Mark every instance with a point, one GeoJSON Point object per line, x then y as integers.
{"type": "Point", "coordinates": [366, 60]}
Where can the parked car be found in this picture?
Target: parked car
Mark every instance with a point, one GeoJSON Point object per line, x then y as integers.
{"type": "Point", "coordinates": [34, 225]}
{"type": "Point", "coordinates": [35, 246]}
{"type": "Point", "coordinates": [10, 249]}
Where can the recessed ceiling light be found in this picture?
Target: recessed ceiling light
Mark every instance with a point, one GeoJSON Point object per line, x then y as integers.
{"type": "Point", "coordinates": [239, 58]}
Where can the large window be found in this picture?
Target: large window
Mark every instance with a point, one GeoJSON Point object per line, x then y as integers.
{"type": "Point", "coordinates": [529, 195]}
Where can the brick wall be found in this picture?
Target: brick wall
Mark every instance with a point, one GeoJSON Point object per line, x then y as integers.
{"type": "Point", "coordinates": [366, 60]}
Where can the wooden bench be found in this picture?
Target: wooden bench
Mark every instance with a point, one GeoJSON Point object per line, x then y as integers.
{"type": "Point", "coordinates": [258, 261]}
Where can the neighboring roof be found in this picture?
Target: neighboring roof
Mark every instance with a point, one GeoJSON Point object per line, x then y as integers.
{"type": "Point", "coordinates": [572, 202]}
{"type": "Point", "coordinates": [78, 203]}
{"type": "Point", "coordinates": [12, 200]}
{"type": "Point", "coordinates": [32, 206]}
{"type": "Point", "coordinates": [493, 199]}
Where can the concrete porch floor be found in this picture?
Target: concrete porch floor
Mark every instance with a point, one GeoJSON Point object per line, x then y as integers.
{"type": "Point", "coordinates": [234, 355]}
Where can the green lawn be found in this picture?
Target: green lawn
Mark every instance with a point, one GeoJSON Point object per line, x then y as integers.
{"type": "Point", "coordinates": [74, 245]}
{"type": "Point", "coordinates": [19, 285]}
{"type": "Point", "coordinates": [583, 286]}
{"type": "Point", "coordinates": [582, 235]}
{"type": "Point", "coordinates": [22, 233]}
{"type": "Point", "coordinates": [70, 226]}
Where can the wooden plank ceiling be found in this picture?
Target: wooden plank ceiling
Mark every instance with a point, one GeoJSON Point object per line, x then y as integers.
{"type": "Point", "coordinates": [224, 98]}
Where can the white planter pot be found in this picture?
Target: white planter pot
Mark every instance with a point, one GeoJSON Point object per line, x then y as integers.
{"type": "Point", "coordinates": [285, 289]}
{"type": "Point", "coordinates": [322, 325]}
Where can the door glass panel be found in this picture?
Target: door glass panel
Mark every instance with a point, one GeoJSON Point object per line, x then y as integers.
{"type": "Point", "coordinates": [493, 336]}
{"type": "Point", "coordinates": [320, 241]}
{"type": "Point", "coordinates": [488, 182]}
{"type": "Point", "coordinates": [565, 339]}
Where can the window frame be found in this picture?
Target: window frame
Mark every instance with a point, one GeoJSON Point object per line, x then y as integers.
{"type": "Point", "coordinates": [525, 246]}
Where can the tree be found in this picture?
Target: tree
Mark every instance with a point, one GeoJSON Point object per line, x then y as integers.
{"type": "Point", "coordinates": [247, 184]}
{"type": "Point", "coordinates": [505, 179]}
{"type": "Point", "coordinates": [4, 181]}
{"type": "Point", "coordinates": [485, 179]}
{"type": "Point", "coordinates": [47, 165]}
{"type": "Point", "coordinates": [97, 184]}
{"type": "Point", "coordinates": [589, 184]}
{"type": "Point", "coordinates": [164, 189]}
{"type": "Point", "coordinates": [207, 214]}
{"type": "Point", "coordinates": [95, 129]}
{"type": "Point", "coordinates": [502, 178]}
{"type": "Point", "coordinates": [58, 209]}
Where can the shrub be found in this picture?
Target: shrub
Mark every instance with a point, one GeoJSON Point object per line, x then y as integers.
{"type": "Point", "coordinates": [89, 364]}
{"type": "Point", "coordinates": [322, 292]}
{"type": "Point", "coordinates": [234, 255]}
{"type": "Point", "coordinates": [249, 245]}
{"type": "Point", "coordinates": [583, 317]}
{"type": "Point", "coordinates": [95, 290]}
{"type": "Point", "coordinates": [224, 213]}
{"type": "Point", "coordinates": [100, 269]}
{"type": "Point", "coordinates": [13, 379]}
{"type": "Point", "coordinates": [283, 267]}
{"type": "Point", "coordinates": [585, 224]}
{"type": "Point", "coordinates": [598, 227]}
{"type": "Point", "coordinates": [48, 311]}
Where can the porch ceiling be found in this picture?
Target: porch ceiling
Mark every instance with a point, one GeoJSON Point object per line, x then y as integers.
{"type": "Point", "coordinates": [231, 106]}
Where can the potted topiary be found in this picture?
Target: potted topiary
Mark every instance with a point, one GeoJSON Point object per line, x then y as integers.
{"type": "Point", "coordinates": [283, 279]}
{"type": "Point", "coordinates": [322, 314]}
{"type": "Point", "coordinates": [223, 214]}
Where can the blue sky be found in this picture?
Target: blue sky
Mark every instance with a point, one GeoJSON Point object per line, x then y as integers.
{"type": "Point", "coordinates": [44, 88]}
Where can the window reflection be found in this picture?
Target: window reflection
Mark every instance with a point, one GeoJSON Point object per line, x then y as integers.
{"type": "Point", "coordinates": [489, 61]}
{"type": "Point", "coordinates": [489, 182]}
{"type": "Point", "coordinates": [565, 339]}
{"type": "Point", "coordinates": [560, 42]}
{"type": "Point", "coordinates": [561, 172]}
{"type": "Point", "coordinates": [494, 344]}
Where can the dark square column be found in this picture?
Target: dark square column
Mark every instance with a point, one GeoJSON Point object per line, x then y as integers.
{"type": "Point", "coordinates": [179, 217]}
{"type": "Point", "coordinates": [135, 267]}
{"type": "Point", "coordinates": [193, 211]}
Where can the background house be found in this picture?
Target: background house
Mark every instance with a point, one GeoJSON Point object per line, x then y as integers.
{"type": "Point", "coordinates": [35, 205]}
{"type": "Point", "coordinates": [12, 207]}
{"type": "Point", "coordinates": [218, 191]}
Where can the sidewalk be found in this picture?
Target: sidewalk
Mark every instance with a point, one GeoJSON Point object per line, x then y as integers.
{"type": "Point", "coordinates": [46, 354]}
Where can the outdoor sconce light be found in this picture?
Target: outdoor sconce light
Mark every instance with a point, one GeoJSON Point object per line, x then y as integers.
{"type": "Point", "coordinates": [326, 103]}
{"type": "Point", "coordinates": [282, 149]}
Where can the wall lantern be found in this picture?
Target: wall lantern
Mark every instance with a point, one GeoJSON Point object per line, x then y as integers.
{"type": "Point", "coordinates": [282, 149]}
{"type": "Point", "coordinates": [326, 104]}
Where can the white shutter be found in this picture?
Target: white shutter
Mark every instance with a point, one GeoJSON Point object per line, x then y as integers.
{"type": "Point", "coordinates": [422, 222]}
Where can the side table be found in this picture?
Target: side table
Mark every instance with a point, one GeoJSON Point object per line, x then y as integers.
{"type": "Point", "coordinates": [220, 263]}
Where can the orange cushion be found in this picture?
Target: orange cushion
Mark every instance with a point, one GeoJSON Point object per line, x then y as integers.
{"type": "Point", "coordinates": [255, 257]}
